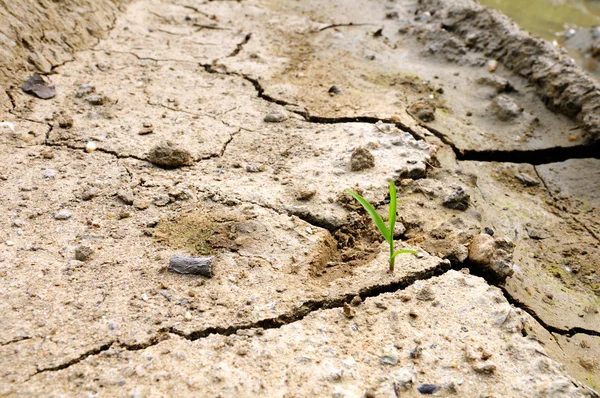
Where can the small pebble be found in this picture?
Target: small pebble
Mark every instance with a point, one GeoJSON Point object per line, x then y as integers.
{"type": "Point", "coordinates": [83, 253]}
{"type": "Point", "coordinates": [427, 389]}
{"type": "Point", "coordinates": [126, 196]}
{"type": "Point", "coordinates": [63, 214]}
{"type": "Point", "coordinates": [49, 174]}
{"type": "Point", "coordinates": [250, 168]}
{"type": "Point", "coordinates": [349, 312]}
{"type": "Point", "coordinates": [488, 231]}
{"type": "Point", "coordinates": [275, 117]}
{"type": "Point", "coordinates": [492, 65]}
{"type": "Point", "coordinates": [390, 356]}
{"type": "Point", "coordinates": [335, 90]}
{"type": "Point", "coordinates": [90, 147]}
{"type": "Point", "coordinates": [84, 90]}
{"type": "Point", "coordinates": [112, 326]}
{"type": "Point", "coordinates": [97, 99]}
{"type": "Point", "coordinates": [484, 367]}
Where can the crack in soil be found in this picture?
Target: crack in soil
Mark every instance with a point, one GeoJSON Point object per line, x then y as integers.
{"type": "Point", "coordinates": [474, 270]}
{"type": "Point", "coordinates": [15, 340]}
{"type": "Point", "coordinates": [341, 25]}
{"type": "Point", "coordinates": [139, 57]}
{"type": "Point", "coordinates": [308, 307]}
{"type": "Point", "coordinates": [294, 315]}
{"type": "Point", "coordinates": [224, 147]}
{"type": "Point", "coordinates": [11, 99]}
{"type": "Point", "coordinates": [215, 68]}
{"type": "Point", "coordinates": [534, 157]}
{"type": "Point", "coordinates": [78, 148]}
{"type": "Point", "coordinates": [82, 357]}
{"type": "Point", "coordinates": [240, 46]}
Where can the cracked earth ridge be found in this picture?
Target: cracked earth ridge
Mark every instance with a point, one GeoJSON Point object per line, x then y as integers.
{"type": "Point", "coordinates": [226, 193]}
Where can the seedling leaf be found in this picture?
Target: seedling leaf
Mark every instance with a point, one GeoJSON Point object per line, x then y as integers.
{"type": "Point", "coordinates": [374, 215]}
{"type": "Point", "coordinates": [404, 251]}
{"type": "Point", "coordinates": [392, 213]}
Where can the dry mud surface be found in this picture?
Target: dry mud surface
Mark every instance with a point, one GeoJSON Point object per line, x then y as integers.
{"type": "Point", "coordinates": [231, 129]}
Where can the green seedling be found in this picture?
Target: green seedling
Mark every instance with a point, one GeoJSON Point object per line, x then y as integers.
{"type": "Point", "coordinates": [388, 233]}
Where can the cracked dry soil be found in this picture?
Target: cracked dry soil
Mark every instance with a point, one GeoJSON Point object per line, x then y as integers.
{"type": "Point", "coordinates": [265, 106]}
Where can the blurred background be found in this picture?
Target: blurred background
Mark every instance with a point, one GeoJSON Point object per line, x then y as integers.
{"type": "Point", "coordinates": [572, 24]}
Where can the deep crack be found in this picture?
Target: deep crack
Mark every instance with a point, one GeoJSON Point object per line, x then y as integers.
{"type": "Point", "coordinates": [308, 307]}
{"type": "Point", "coordinates": [477, 271]}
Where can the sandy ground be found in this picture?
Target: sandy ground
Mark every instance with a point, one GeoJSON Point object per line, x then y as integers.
{"type": "Point", "coordinates": [232, 129]}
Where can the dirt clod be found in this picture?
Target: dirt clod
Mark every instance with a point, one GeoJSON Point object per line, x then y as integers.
{"type": "Point", "coordinates": [349, 312]}
{"type": "Point", "coordinates": [424, 111]}
{"type": "Point", "coordinates": [167, 155]}
{"type": "Point", "coordinates": [83, 253]}
{"type": "Point", "coordinates": [457, 199]}
{"type": "Point", "coordinates": [65, 121]}
{"type": "Point", "coordinates": [494, 255]}
{"type": "Point", "coordinates": [505, 108]}
{"type": "Point", "coordinates": [361, 159]}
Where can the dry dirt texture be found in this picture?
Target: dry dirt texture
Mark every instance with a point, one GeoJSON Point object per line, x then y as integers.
{"type": "Point", "coordinates": [232, 129]}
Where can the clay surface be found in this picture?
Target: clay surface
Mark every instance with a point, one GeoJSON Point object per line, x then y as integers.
{"type": "Point", "coordinates": [231, 130]}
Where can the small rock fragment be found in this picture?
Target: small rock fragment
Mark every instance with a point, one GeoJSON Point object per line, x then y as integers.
{"type": "Point", "coordinates": [65, 121]}
{"type": "Point", "coordinates": [167, 155]}
{"type": "Point", "coordinates": [83, 253]}
{"type": "Point", "coordinates": [349, 312]}
{"type": "Point", "coordinates": [427, 389]}
{"type": "Point", "coordinates": [37, 86]}
{"type": "Point", "coordinates": [361, 159]}
{"type": "Point", "coordinates": [390, 355]}
{"type": "Point", "coordinates": [304, 194]}
{"type": "Point", "coordinates": [425, 294]}
{"type": "Point", "coordinates": [484, 367]}
{"type": "Point", "coordinates": [250, 168]}
{"type": "Point", "coordinates": [90, 147]}
{"type": "Point", "coordinates": [335, 90]}
{"type": "Point", "coordinates": [275, 117]}
{"type": "Point", "coordinates": [161, 200]}
{"type": "Point", "coordinates": [527, 180]}
{"type": "Point", "coordinates": [191, 265]}
{"type": "Point", "coordinates": [493, 255]}
{"type": "Point", "coordinates": [489, 231]}
{"type": "Point", "coordinates": [63, 214]}
{"type": "Point", "coordinates": [97, 99]}
{"type": "Point", "coordinates": [492, 65]}
{"type": "Point", "coordinates": [458, 199]}
{"type": "Point", "coordinates": [356, 301]}
{"type": "Point", "coordinates": [84, 90]}
{"type": "Point", "coordinates": [126, 196]}
{"type": "Point", "coordinates": [140, 204]}
{"type": "Point", "coordinates": [424, 111]}
{"type": "Point", "coordinates": [505, 108]}
{"type": "Point", "coordinates": [482, 249]}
